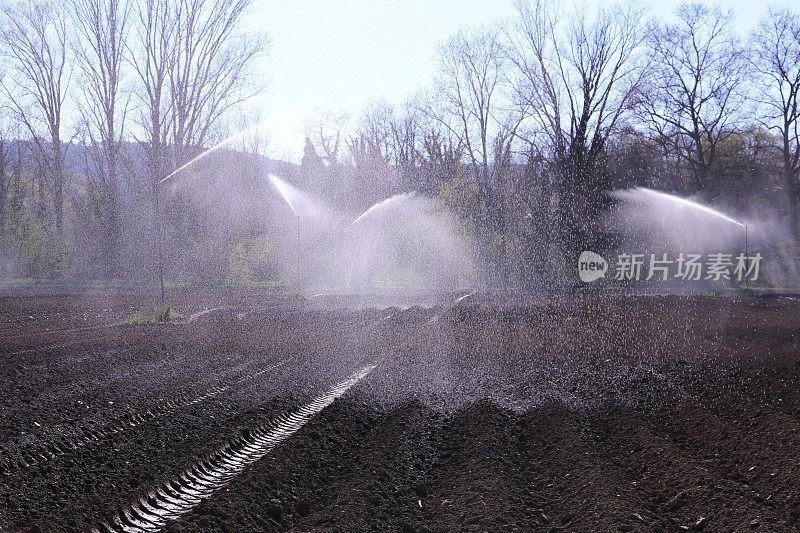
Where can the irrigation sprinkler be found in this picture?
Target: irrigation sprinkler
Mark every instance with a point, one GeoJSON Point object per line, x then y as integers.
{"type": "Point", "coordinates": [285, 191]}
{"type": "Point", "coordinates": [297, 251]}
{"type": "Point", "coordinates": [159, 240]}
{"type": "Point", "coordinates": [694, 205]}
{"type": "Point", "coordinates": [159, 230]}
{"type": "Point", "coordinates": [746, 257]}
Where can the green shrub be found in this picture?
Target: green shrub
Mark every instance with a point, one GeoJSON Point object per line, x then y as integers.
{"type": "Point", "coordinates": [152, 314]}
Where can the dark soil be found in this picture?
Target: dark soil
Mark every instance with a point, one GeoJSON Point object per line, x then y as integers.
{"type": "Point", "coordinates": [584, 413]}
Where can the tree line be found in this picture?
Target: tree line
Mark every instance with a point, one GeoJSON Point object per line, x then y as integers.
{"type": "Point", "coordinates": [524, 128]}
{"type": "Point", "coordinates": [100, 101]}
{"type": "Point", "coordinates": [529, 122]}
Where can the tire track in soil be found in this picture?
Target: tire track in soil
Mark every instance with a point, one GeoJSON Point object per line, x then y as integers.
{"type": "Point", "coordinates": [27, 335]}
{"type": "Point", "coordinates": [119, 326]}
{"type": "Point", "coordinates": [104, 478]}
{"type": "Point", "coordinates": [123, 376]}
{"type": "Point", "coordinates": [193, 317]}
{"type": "Point", "coordinates": [113, 325]}
{"type": "Point", "coordinates": [63, 314]}
{"type": "Point", "coordinates": [39, 349]}
{"type": "Point", "coordinates": [350, 465]}
{"type": "Point", "coordinates": [94, 434]}
{"type": "Point", "coordinates": [138, 514]}
{"type": "Point", "coordinates": [410, 446]}
{"type": "Point", "coordinates": [51, 322]}
{"type": "Point", "coordinates": [68, 495]}
{"type": "Point", "coordinates": [23, 512]}
{"type": "Point", "coordinates": [67, 379]}
{"type": "Point", "coordinates": [76, 486]}
{"type": "Point", "coordinates": [128, 343]}
{"type": "Point", "coordinates": [182, 493]}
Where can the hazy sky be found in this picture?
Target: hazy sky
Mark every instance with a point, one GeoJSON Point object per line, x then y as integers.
{"type": "Point", "coordinates": [340, 55]}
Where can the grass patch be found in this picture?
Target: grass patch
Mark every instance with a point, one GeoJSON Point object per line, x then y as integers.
{"type": "Point", "coordinates": [257, 284]}
{"type": "Point", "coordinates": [152, 314]}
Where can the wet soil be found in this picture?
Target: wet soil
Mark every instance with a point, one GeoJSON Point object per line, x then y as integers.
{"type": "Point", "coordinates": [584, 413]}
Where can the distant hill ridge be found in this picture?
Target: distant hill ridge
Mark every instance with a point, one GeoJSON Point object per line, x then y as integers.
{"type": "Point", "coordinates": [78, 155]}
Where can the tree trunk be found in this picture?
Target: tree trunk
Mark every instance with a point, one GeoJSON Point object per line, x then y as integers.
{"type": "Point", "coordinates": [793, 186]}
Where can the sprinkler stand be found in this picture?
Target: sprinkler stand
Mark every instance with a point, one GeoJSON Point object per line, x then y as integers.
{"type": "Point", "coordinates": [746, 258]}
{"type": "Point", "coordinates": [297, 252]}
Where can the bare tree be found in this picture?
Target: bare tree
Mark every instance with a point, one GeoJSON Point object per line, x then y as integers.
{"type": "Point", "coordinates": [102, 31]}
{"type": "Point", "coordinates": [695, 96]}
{"type": "Point", "coordinates": [325, 131]}
{"type": "Point", "coordinates": [250, 128]}
{"type": "Point", "coordinates": [211, 71]}
{"type": "Point", "coordinates": [194, 65]}
{"type": "Point", "coordinates": [775, 57]}
{"type": "Point", "coordinates": [577, 92]}
{"type": "Point", "coordinates": [374, 130]}
{"type": "Point", "coordinates": [12, 194]}
{"type": "Point", "coordinates": [371, 150]}
{"type": "Point", "coordinates": [5, 188]}
{"type": "Point", "coordinates": [322, 166]}
{"type": "Point", "coordinates": [578, 78]}
{"type": "Point", "coordinates": [406, 139]}
{"type": "Point", "coordinates": [151, 61]}
{"type": "Point", "coordinates": [474, 104]}
{"type": "Point", "coordinates": [34, 36]}
{"type": "Point", "coordinates": [471, 99]}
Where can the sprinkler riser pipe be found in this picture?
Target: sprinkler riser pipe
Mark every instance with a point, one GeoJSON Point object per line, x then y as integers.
{"type": "Point", "coordinates": [746, 258]}
{"type": "Point", "coordinates": [159, 242]}
{"type": "Point", "coordinates": [297, 251]}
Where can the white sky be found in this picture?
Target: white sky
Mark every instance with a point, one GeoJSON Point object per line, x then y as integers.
{"type": "Point", "coordinates": [340, 55]}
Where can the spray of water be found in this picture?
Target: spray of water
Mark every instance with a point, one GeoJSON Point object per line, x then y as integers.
{"type": "Point", "coordinates": [284, 189]}
{"type": "Point", "coordinates": [381, 206]}
{"type": "Point", "coordinates": [686, 203]}
{"type": "Point", "coordinates": [404, 243]}
{"type": "Point", "coordinates": [233, 138]}
{"type": "Point", "coordinates": [654, 221]}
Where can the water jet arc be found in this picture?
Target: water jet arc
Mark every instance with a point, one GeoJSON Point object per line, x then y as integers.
{"type": "Point", "coordinates": [688, 203]}
{"type": "Point", "coordinates": [380, 205]}
{"type": "Point", "coordinates": [283, 189]}
{"type": "Point", "coordinates": [221, 144]}
{"type": "Point", "coordinates": [703, 208]}
{"type": "Point", "coordinates": [159, 236]}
